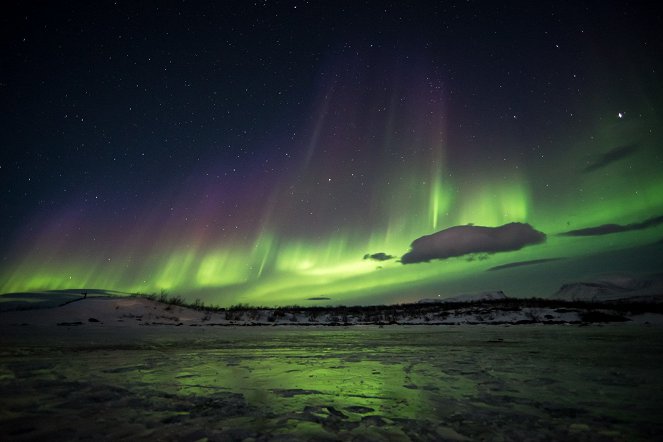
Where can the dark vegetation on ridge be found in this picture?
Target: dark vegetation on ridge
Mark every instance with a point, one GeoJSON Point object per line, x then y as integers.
{"type": "Point", "coordinates": [493, 311]}
{"type": "Point", "coordinates": [393, 311]}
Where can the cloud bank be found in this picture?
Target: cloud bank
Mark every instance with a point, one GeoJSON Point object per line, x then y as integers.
{"type": "Point", "coordinates": [523, 263]}
{"type": "Point", "coordinates": [380, 256]}
{"type": "Point", "coordinates": [607, 229]}
{"type": "Point", "coordinates": [463, 240]}
{"type": "Point", "coordinates": [611, 156]}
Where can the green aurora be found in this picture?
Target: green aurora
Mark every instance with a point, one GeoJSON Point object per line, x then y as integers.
{"type": "Point", "coordinates": [383, 148]}
{"type": "Point", "coordinates": [289, 252]}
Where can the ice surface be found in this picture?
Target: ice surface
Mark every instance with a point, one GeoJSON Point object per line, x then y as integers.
{"type": "Point", "coordinates": [515, 383]}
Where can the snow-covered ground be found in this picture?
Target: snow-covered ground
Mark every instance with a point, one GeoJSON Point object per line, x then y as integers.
{"type": "Point", "coordinates": [396, 383]}
{"type": "Point", "coordinates": [103, 311]}
{"type": "Point", "coordinates": [137, 369]}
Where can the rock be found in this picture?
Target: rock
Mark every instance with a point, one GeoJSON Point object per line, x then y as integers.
{"type": "Point", "coordinates": [447, 433]}
{"type": "Point", "coordinates": [578, 427]}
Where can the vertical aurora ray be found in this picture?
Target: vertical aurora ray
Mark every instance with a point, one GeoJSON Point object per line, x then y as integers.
{"type": "Point", "coordinates": [494, 203]}
{"type": "Point", "coordinates": [377, 166]}
{"type": "Point", "coordinates": [440, 200]}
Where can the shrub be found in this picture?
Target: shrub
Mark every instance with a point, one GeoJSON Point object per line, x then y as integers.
{"type": "Point", "coordinates": [599, 316]}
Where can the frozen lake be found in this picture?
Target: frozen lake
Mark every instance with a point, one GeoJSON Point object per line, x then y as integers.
{"type": "Point", "coordinates": [358, 383]}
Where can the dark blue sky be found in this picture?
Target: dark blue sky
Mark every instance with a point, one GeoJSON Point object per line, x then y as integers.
{"type": "Point", "coordinates": [120, 112]}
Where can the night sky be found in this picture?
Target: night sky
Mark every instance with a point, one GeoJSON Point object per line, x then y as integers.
{"type": "Point", "coordinates": [349, 152]}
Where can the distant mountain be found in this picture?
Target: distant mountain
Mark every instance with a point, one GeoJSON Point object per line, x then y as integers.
{"type": "Point", "coordinates": [49, 298]}
{"type": "Point", "coordinates": [613, 289]}
{"type": "Point", "coordinates": [468, 297]}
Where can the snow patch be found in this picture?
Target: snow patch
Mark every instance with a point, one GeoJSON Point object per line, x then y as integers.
{"type": "Point", "coordinates": [468, 297]}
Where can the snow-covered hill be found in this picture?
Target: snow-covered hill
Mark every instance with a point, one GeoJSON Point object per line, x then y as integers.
{"type": "Point", "coordinates": [139, 312]}
{"type": "Point", "coordinates": [612, 289]}
{"type": "Point", "coordinates": [468, 297]}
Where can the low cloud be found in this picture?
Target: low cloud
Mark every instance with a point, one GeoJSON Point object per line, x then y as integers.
{"type": "Point", "coordinates": [464, 240]}
{"type": "Point", "coordinates": [380, 256]}
{"type": "Point", "coordinates": [477, 257]}
{"type": "Point", "coordinates": [318, 298]}
{"type": "Point", "coordinates": [610, 157]}
{"type": "Point", "coordinates": [523, 263]}
{"type": "Point", "coordinates": [607, 229]}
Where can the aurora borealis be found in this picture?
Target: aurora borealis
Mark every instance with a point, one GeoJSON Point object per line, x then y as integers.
{"type": "Point", "coordinates": [275, 153]}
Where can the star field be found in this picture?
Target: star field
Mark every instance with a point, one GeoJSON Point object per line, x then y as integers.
{"type": "Point", "coordinates": [258, 152]}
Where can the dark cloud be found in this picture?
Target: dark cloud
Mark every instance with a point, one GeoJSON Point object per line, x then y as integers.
{"type": "Point", "coordinates": [380, 256]}
{"type": "Point", "coordinates": [463, 240]}
{"type": "Point", "coordinates": [318, 298]}
{"type": "Point", "coordinates": [610, 157]}
{"type": "Point", "coordinates": [607, 229]}
{"type": "Point", "coordinates": [477, 257]}
{"type": "Point", "coordinates": [523, 263]}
